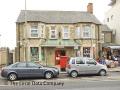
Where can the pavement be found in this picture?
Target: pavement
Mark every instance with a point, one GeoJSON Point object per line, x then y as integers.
{"type": "Point", "coordinates": [116, 69]}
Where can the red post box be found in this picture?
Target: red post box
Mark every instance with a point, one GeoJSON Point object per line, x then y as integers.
{"type": "Point", "coordinates": [63, 62]}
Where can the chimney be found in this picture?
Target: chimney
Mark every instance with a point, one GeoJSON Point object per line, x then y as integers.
{"type": "Point", "coordinates": [90, 8]}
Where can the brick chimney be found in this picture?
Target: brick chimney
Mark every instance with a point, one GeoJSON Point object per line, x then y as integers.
{"type": "Point", "coordinates": [90, 8]}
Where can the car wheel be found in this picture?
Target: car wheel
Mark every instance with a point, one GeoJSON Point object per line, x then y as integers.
{"type": "Point", "coordinates": [74, 74]}
{"type": "Point", "coordinates": [102, 73]}
{"type": "Point", "coordinates": [48, 75]}
{"type": "Point", "coordinates": [12, 76]}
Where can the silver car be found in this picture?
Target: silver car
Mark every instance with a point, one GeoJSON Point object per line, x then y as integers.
{"type": "Point", "coordinates": [84, 65]}
{"type": "Point", "coordinates": [28, 69]}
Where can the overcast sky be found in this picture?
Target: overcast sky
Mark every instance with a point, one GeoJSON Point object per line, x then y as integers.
{"type": "Point", "coordinates": [10, 9]}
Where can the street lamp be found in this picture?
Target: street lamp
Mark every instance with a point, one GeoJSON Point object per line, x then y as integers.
{"type": "Point", "coordinates": [25, 32]}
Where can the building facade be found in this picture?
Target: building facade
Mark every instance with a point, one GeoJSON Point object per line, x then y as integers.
{"type": "Point", "coordinates": [4, 56]}
{"type": "Point", "coordinates": [48, 35]}
{"type": "Point", "coordinates": [112, 20]}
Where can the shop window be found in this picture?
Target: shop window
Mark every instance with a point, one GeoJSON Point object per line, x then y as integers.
{"type": "Point", "coordinates": [34, 53]}
{"type": "Point", "coordinates": [86, 51]}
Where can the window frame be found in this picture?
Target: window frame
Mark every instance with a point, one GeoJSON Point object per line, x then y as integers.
{"type": "Point", "coordinates": [55, 34]}
{"type": "Point", "coordinates": [90, 61]}
{"type": "Point", "coordinates": [87, 31]}
{"type": "Point", "coordinates": [78, 32]}
{"type": "Point", "coordinates": [34, 34]}
{"type": "Point", "coordinates": [80, 60]}
{"type": "Point", "coordinates": [64, 32]}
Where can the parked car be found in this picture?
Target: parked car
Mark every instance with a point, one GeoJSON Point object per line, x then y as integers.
{"type": "Point", "coordinates": [84, 65]}
{"type": "Point", "coordinates": [28, 69]}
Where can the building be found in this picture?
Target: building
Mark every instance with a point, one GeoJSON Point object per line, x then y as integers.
{"type": "Point", "coordinates": [112, 20]}
{"type": "Point", "coordinates": [4, 56]}
{"type": "Point", "coordinates": [45, 36]}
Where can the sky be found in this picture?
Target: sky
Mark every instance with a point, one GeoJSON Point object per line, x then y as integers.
{"type": "Point", "coordinates": [10, 9]}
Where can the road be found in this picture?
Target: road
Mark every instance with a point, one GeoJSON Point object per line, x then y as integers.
{"type": "Point", "coordinates": [109, 82]}
{"type": "Point", "coordinates": [69, 85]}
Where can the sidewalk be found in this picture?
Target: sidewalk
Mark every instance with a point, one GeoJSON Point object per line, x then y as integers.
{"type": "Point", "coordinates": [116, 69]}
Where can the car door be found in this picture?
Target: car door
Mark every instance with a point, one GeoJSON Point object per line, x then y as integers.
{"type": "Point", "coordinates": [21, 69]}
{"type": "Point", "coordinates": [91, 66]}
{"type": "Point", "coordinates": [35, 70]}
{"type": "Point", "coordinates": [80, 65]}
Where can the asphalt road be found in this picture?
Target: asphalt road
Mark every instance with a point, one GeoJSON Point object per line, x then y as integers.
{"type": "Point", "coordinates": [68, 85]}
{"type": "Point", "coordinates": [83, 82]}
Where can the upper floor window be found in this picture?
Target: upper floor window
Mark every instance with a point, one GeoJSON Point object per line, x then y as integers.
{"type": "Point", "coordinates": [87, 31]}
{"type": "Point", "coordinates": [34, 31]}
{"type": "Point", "coordinates": [107, 19]}
{"type": "Point", "coordinates": [42, 31]}
{"type": "Point", "coordinates": [65, 33]}
{"type": "Point", "coordinates": [53, 33]}
{"type": "Point", "coordinates": [77, 32]}
{"type": "Point", "coordinates": [112, 17]}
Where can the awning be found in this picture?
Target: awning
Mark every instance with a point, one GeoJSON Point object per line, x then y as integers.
{"type": "Point", "coordinates": [60, 43]}
{"type": "Point", "coordinates": [114, 47]}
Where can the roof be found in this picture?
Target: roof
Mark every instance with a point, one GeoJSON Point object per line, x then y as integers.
{"type": "Point", "coordinates": [60, 43]}
{"type": "Point", "coordinates": [57, 16]}
{"type": "Point", "coordinates": [105, 28]}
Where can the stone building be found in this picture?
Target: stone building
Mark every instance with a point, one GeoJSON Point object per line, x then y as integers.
{"type": "Point", "coordinates": [4, 56]}
{"type": "Point", "coordinates": [112, 20]}
{"type": "Point", "coordinates": [46, 35]}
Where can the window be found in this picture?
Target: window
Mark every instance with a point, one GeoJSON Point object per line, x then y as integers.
{"type": "Point", "coordinates": [102, 37]}
{"type": "Point", "coordinates": [73, 61]}
{"type": "Point", "coordinates": [86, 51]}
{"type": "Point", "coordinates": [112, 17]}
{"type": "Point", "coordinates": [42, 31]}
{"type": "Point", "coordinates": [34, 53]}
{"type": "Point", "coordinates": [21, 65]}
{"type": "Point", "coordinates": [79, 61]}
{"type": "Point", "coordinates": [107, 19]}
{"type": "Point", "coordinates": [65, 33]}
{"type": "Point", "coordinates": [52, 32]}
{"type": "Point", "coordinates": [34, 31]}
{"type": "Point", "coordinates": [32, 65]}
{"type": "Point", "coordinates": [90, 62]}
{"type": "Point", "coordinates": [77, 32]}
{"type": "Point", "coordinates": [87, 31]}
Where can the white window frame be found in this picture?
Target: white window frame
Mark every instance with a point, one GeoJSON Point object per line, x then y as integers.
{"type": "Point", "coordinates": [78, 32]}
{"type": "Point", "coordinates": [63, 32]}
{"type": "Point", "coordinates": [51, 30]}
{"type": "Point", "coordinates": [87, 29]}
{"type": "Point", "coordinates": [42, 29]}
{"type": "Point", "coordinates": [36, 31]}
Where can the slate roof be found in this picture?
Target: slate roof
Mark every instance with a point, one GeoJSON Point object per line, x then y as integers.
{"type": "Point", "coordinates": [57, 16]}
{"type": "Point", "coordinates": [106, 28]}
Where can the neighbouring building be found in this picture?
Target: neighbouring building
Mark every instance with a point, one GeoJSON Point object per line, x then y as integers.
{"type": "Point", "coordinates": [4, 56]}
{"type": "Point", "coordinates": [46, 36]}
{"type": "Point", "coordinates": [112, 20]}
